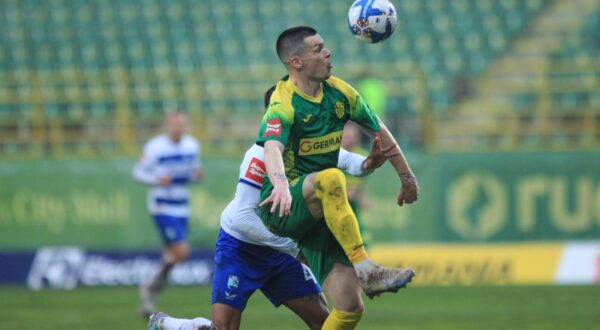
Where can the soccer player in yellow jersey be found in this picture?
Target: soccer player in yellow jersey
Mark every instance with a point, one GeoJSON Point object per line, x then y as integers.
{"type": "Point", "coordinates": [304, 195]}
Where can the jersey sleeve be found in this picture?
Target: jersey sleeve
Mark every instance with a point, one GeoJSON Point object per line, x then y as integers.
{"type": "Point", "coordinates": [352, 163]}
{"type": "Point", "coordinates": [143, 171]}
{"type": "Point", "coordinates": [248, 224]}
{"type": "Point", "coordinates": [276, 123]}
{"type": "Point", "coordinates": [360, 112]}
{"type": "Point", "coordinates": [253, 170]}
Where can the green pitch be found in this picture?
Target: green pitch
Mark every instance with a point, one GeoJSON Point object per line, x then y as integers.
{"type": "Point", "coordinates": [512, 307]}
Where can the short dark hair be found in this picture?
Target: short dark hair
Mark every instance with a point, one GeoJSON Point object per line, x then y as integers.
{"type": "Point", "coordinates": [291, 42]}
{"type": "Point", "coordinates": [268, 94]}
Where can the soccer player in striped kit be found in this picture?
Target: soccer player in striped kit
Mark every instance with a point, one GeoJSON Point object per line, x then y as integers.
{"type": "Point", "coordinates": [170, 161]}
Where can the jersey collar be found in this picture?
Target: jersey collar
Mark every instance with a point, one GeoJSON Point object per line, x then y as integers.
{"type": "Point", "coordinates": [305, 96]}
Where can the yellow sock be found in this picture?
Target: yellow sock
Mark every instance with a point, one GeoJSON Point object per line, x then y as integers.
{"type": "Point", "coordinates": [339, 320]}
{"type": "Point", "coordinates": [331, 189]}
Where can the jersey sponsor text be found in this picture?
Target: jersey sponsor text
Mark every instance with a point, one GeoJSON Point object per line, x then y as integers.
{"type": "Point", "coordinates": [321, 144]}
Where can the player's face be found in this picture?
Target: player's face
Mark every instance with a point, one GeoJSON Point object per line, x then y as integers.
{"type": "Point", "coordinates": [316, 59]}
{"type": "Point", "coordinates": [176, 126]}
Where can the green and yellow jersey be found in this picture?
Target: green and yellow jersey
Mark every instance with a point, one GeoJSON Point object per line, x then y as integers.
{"type": "Point", "coordinates": [311, 128]}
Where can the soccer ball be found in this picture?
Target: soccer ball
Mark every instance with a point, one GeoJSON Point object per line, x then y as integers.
{"type": "Point", "coordinates": [372, 20]}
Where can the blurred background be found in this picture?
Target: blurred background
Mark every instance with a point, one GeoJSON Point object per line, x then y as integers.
{"type": "Point", "coordinates": [495, 102]}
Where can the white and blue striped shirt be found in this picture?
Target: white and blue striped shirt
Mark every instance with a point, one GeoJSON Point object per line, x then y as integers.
{"type": "Point", "coordinates": [178, 160]}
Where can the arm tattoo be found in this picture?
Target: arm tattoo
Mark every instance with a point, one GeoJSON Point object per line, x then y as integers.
{"type": "Point", "coordinates": [407, 176]}
{"type": "Point", "coordinates": [280, 176]}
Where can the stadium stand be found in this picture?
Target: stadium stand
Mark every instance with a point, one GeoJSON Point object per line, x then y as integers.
{"type": "Point", "coordinates": [541, 92]}
{"type": "Point", "coordinates": [96, 76]}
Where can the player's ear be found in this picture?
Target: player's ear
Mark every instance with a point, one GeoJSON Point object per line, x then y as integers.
{"type": "Point", "coordinates": [296, 63]}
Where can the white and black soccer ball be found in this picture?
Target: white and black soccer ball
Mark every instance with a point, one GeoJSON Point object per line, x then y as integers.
{"type": "Point", "coordinates": [372, 20]}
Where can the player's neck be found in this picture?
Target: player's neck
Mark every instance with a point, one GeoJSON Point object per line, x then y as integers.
{"type": "Point", "coordinates": [307, 86]}
{"type": "Point", "coordinates": [174, 139]}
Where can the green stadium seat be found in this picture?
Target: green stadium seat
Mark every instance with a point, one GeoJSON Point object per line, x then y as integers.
{"type": "Point", "coordinates": [459, 7]}
{"type": "Point", "coordinates": [424, 44]}
{"type": "Point", "coordinates": [477, 62]}
{"type": "Point", "coordinates": [533, 5]}
{"type": "Point", "coordinates": [594, 100]}
{"type": "Point", "coordinates": [484, 6]}
{"type": "Point", "coordinates": [473, 42]}
{"type": "Point", "coordinates": [454, 63]}
{"type": "Point", "coordinates": [430, 63]}
{"type": "Point", "coordinates": [523, 101]}
{"type": "Point", "coordinates": [497, 41]}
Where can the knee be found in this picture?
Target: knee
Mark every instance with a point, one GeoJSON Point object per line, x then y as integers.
{"type": "Point", "coordinates": [356, 307]}
{"type": "Point", "coordinates": [352, 304]}
{"type": "Point", "coordinates": [330, 179]}
{"type": "Point", "coordinates": [179, 253]}
{"type": "Point", "coordinates": [183, 254]}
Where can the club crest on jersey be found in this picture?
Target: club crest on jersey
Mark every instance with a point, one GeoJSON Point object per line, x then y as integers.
{"type": "Point", "coordinates": [273, 127]}
{"type": "Point", "coordinates": [233, 282]}
{"type": "Point", "coordinates": [256, 171]}
{"type": "Point", "coordinates": [339, 109]}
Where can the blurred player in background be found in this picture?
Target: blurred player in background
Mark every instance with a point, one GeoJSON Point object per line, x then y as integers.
{"type": "Point", "coordinates": [249, 257]}
{"type": "Point", "coordinates": [356, 186]}
{"type": "Point", "coordinates": [304, 196]}
{"type": "Point", "coordinates": [170, 162]}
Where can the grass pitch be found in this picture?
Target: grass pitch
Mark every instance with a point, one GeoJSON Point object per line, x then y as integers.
{"type": "Point", "coordinates": [500, 307]}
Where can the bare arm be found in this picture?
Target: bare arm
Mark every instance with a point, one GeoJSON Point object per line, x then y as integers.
{"type": "Point", "coordinates": [357, 165]}
{"type": "Point", "coordinates": [280, 196]}
{"type": "Point", "coordinates": [410, 188]}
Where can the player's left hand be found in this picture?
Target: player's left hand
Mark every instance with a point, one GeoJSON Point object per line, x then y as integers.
{"type": "Point", "coordinates": [280, 197]}
{"type": "Point", "coordinates": [198, 173]}
{"type": "Point", "coordinates": [378, 155]}
{"type": "Point", "coordinates": [409, 192]}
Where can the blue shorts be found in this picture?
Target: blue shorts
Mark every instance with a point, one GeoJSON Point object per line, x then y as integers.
{"type": "Point", "coordinates": [241, 268]}
{"type": "Point", "coordinates": [172, 229]}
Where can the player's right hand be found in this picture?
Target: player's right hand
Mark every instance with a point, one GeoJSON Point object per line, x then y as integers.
{"type": "Point", "coordinates": [280, 196]}
{"type": "Point", "coordinates": [164, 180]}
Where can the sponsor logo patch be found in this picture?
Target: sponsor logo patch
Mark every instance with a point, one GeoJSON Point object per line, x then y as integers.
{"type": "Point", "coordinates": [273, 127]}
{"type": "Point", "coordinates": [233, 282]}
{"type": "Point", "coordinates": [320, 145]}
{"type": "Point", "coordinates": [256, 171]}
